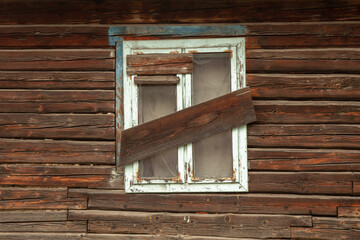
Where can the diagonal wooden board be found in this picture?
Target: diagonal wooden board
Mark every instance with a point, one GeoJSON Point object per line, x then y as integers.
{"type": "Point", "coordinates": [209, 118]}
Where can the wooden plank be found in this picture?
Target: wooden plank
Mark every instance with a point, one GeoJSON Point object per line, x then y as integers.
{"type": "Point", "coordinates": [336, 223]}
{"type": "Point", "coordinates": [109, 12]}
{"type": "Point", "coordinates": [13, 193]}
{"type": "Point", "coordinates": [218, 203]}
{"type": "Point", "coordinates": [349, 212]}
{"type": "Point", "coordinates": [57, 59]}
{"type": "Point", "coordinates": [69, 226]}
{"type": "Point", "coordinates": [159, 64]}
{"type": "Point", "coordinates": [221, 225]}
{"type": "Point", "coordinates": [324, 234]}
{"type": "Point", "coordinates": [56, 151]}
{"type": "Point", "coordinates": [282, 159]}
{"type": "Point", "coordinates": [48, 203]}
{"type": "Point", "coordinates": [356, 188]}
{"type": "Point", "coordinates": [301, 86]}
{"type": "Point", "coordinates": [307, 112]}
{"type": "Point", "coordinates": [205, 119]}
{"type": "Point", "coordinates": [156, 80]}
{"type": "Point", "coordinates": [304, 61]}
{"type": "Point", "coordinates": [39, 236]}
{"type": "Point", "coordinates": [330, 183]}
{"type": "Point", "coordinates": [57, 126]}
{"type": "Point", "coordinates": [56, 80]}
{"type": "Point", "coordinates": [304, 135]}
{"type": "Point", "coordinates": [57, 101]}
{"type": "Point", "coordinates": [33, 216]}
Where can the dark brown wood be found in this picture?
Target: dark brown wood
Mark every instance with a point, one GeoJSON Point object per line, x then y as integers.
{"type": "Point", "coordinates": [50, 151]}
{"type": "Point", "coordinates": [57, 126]}
{"type": "Point", "coordinates": [60, 101]}
{"type": "Point", "coordinates": [282, 159]}
{"type": "Point", "coordinates": [69, 226]}
{"type": "Point", "coordinates": [303, 61]}
{"type": "Point", "coordinates": [40, 236]}
{"type": "Point", "coordinates": [349, 212]}
{"type": "Point", "coordinates": [329, 183]}
{"type": "Point", "coordinates": [324, 234]}
{"type": "Point", "coordinates": [56, 80]}
{"type": "Point", "coordinates": [159, 64]}
{"type": "Point", "coordinates": [336, 223]}
{"type": "Point", "coordinates": [156, 80]}
{"type": "Point", "coordinates": [59, 59]}
{"type": "Point", "coordinates": [205, 119]}
{"type": "Point", "coordinates": [33, 216]}
{"type": "Point", "coordinates": [155, 11]}
{"type": "Point", "coordinates": [48, 203]}
{"type": "Point", "coordinates": [15, 193]}
{"type": "Point", "coordinates": [304, 135]}
{"type": "Point", "coordinates": [301, 86]}
{"type": "Point", "coordinates": [307, 112]}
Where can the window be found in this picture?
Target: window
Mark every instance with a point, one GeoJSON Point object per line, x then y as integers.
{"type": "Point", "coordinates": [205, 69]}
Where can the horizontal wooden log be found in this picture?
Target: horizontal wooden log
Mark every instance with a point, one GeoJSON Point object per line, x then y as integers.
{"type": "Point", "coordinates": [59, 59]}
{"type": "Point", "coordinates": [349, 212]}
{"type": "Point", "coordinates": [48, 203]}
{"type": "Point", "coordinates": [109, 12]}
{"type": "Point", "coordinates": [356, 188]}
{"type": "Point", "coordinates": [217, 203]}
{"type": "Point", "coordinates": [336, 223]}
{"type": "Point", "coordinates": [307, 112]}
{"type": "Point", "coordinates": [324, 234]}
{"type": "Point", "coordinates": [50, 151]}
{"type": "Point", "coordinates": [68, 176]}
{"type": "Point", "coordinates": [196, 122]}
{"type": "Point", "coordinates": [159, 64]}
{"type": "Point", "coordinates": [57, 101]}
{"type": "Point", "coordinates": [330, 183]}
{"type": "Point", "coordinates": [156, 80]}
{"type": "Point", "coordinates": [14, 193]}
{"type": "Point", "coordinates": [303, 61]}
{"type": "Point", "coordinates": [33, 216]}
{"type": "Point", "coordinates": [57, 126]}
{"type": "Point", "coordinates": [282, 159]}
{"type": "Point", "coordinates": [56, 80]}
{"type": "Point", "coordinates": [256, 226]}
{"type": "Point", "coordinates": [69, 226]}
{"type": "Point", "coordinates": [304, 135]}
{"type": "Point", "coordinates": [39, 236]}
{"type": "Point", "coordinates": [301, 86]}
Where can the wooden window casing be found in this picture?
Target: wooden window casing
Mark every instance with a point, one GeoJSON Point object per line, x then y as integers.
{"type": "Point", "coordinates": [185, 181]}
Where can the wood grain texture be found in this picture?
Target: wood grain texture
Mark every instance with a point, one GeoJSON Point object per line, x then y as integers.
{"type": "Point", "coordinates": [48, 203]}
{"type": "Point", "coordinates": [353, 212]}
{"type": "Point", "coordinates": [324, 234]}
{"type": "Point", "coordinates": [33, 216]}
{"type": "Point", "coordinates": [306, 87]}
{"type": "Point", "coordinates": [283, 159]}
{"type": "Point", "coordinates": [159, 64]}
{"type": "Point", "coordinates": [304, 135]}
{"type": "Point", "coordinates": [156, 80]}
{"type": "Point", "coordinates": [50, 151]}
{"type": "Point", "coordinates": [278, 111]}
{"type": "Point", "coordinates": [53, 226]}
{"type": "Point", "coordinates": [57, 126]}
{"type": "Point", "coordinates": [16, 193]}
{"type": "Point", "coordinates": [57, 101]}
{"type": "Point", "coordinates": [196, 122]}
{"type": "Point", "coordinates": [57, 59]}
{"type": "Point", "coordinates": [158, 11]}
{"type": "Point", "coordinates": [336, 223]}
{"type": "Point", "coordinates": [337, 60]}
{"type": "Point", "coordinates": [56, 80]}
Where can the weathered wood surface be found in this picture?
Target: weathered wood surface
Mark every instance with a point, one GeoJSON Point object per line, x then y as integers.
{"type": "Point", "coordinates": [33, 216]}
{"type": "Point", "coordinates": [159, 64]}
{"type": "Point", "coordinates": [324, 234]}
{"type": "Point", "coordinates": [57, 101]}
{"type": "Point", "coordinates": [304, 135]}
{"type": "Point", "coordinates": [234, 225]}
{"type": "Point", "coordinates": [278, 111]}
{"type": "Point", "coordinates": [155, 11]}
{"type": "Point", "coordinates": [57, 126]}
{"type": "Point", "coordinates": [283, 159]}
{"type": "Point", "coordinates": [301, 86]}
{"type": "Point", "coordinates": [53, 226]}
{"type": "Point", "coordinates": [156, 80]}
{"type": "Point", "coordinates": [57, 59]}
{"type": "Point", "coordinates": [349, 212]}
{"type": "Point", "coordinates": [196, 122]}
{"type": "Point", "coordinates": [339, 60]}
{"type": "Point", "coordinates": [56, 80]}
{"type": "Point", "coordinates": [336, 223]}
{"type": "Point", "coordinates": [50, 151]}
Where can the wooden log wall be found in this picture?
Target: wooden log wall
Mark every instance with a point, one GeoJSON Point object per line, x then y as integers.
{"type": "Point", "coordinates": [57, 124]}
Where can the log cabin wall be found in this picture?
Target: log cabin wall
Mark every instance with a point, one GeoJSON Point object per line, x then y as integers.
{"type": "Point", "coordinates": [57, 124]}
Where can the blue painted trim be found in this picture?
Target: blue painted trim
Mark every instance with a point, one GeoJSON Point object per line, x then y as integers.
{"type": "Point", "coordinates": [119, 78]}
{"type": "Point", "coordinates": [115, 33]}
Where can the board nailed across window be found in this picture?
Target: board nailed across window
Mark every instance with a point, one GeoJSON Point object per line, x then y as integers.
{"type": "Point", "coordinates": [185, 113]}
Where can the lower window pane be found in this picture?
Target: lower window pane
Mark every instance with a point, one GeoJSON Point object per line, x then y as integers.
{"type": "Point", "coordinates": [154, 102]}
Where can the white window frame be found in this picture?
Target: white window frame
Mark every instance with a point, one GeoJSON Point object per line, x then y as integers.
{"type": "Point", "coordinates": [185, 181]}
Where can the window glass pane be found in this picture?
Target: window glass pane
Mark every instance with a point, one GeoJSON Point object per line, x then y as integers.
{"type": "Point", "coordinates": [211, 79]}
{"type": "Point", "coordinates": [154, 102]}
